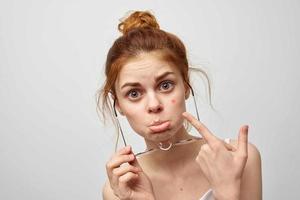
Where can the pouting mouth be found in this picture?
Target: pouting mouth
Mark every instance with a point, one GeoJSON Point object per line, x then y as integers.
{"type": "Point", "coordinates": [160, 127]}
{"type": "Point", "coordinates": [157, 122]}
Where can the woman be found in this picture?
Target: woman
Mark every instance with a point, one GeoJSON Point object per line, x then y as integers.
{"type": "Point", "coordinates": [147, 77]}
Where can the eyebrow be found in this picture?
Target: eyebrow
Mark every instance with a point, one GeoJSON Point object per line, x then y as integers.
{"type": "Point", "coordinates": [133, 84]}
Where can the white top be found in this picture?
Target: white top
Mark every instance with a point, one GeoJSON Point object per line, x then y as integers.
{"type": "Point", "coordinates": [209, 194]}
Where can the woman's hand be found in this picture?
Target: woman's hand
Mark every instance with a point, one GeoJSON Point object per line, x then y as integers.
{"type": "Point", "coordinates": [126, 177]}
{"type": "Point", "coordinates": [222, 164]}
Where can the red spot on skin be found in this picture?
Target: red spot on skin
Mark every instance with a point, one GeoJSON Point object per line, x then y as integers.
{"type": "Point", "coordinates": [173, 101]}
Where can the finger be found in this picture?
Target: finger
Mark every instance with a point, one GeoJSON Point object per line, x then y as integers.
{"type": "Point", "coordinates": [125, 169]}
{"type": "Point", "coordinates": [123, 180]}
{"type": "Point", "coordinates": [207, 135]}
{"type": "Point", "coordinates": [118, 160]}
{"type": "Point", "coordinates": [243, 141]}
{"type": "Point", "coordinates": [124, 150]}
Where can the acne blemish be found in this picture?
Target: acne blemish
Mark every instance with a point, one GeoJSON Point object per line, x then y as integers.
{"type": "Point", "coordinates": [173, 101]}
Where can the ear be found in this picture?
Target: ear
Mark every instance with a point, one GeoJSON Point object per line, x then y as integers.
{"type": "Point", "coordinates": [117, 106]}
{"type": "Point", "coordinates": [187, 90]}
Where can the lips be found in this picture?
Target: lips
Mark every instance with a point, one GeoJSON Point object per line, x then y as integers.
{"type": "Point", "coordinates": [160, 127]}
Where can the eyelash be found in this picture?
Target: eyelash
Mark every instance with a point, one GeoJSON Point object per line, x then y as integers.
{"type": "Point", "coordinates": [163, 82]}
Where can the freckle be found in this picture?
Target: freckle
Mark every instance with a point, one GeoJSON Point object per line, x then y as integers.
{"type": "Point", "coordinates": [173, 101]}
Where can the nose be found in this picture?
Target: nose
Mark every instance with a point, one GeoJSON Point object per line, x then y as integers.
{"type": "Point", "coordinates": [154, 104]}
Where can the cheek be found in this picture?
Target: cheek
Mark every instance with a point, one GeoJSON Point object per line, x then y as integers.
{"type": "Point", "coordinates": [177, 104]}
{"type": "Point", "coordinates": [135, 114]}
{"type": "Point", "coordinates": [177, 99]}
{"type": "Point", "coordinates": [175, 109]}
{"type": "Point", "coordinates": [136, 118]}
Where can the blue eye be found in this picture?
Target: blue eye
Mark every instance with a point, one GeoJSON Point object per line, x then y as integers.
{"type": "Point", "coordinates": [166, 85]}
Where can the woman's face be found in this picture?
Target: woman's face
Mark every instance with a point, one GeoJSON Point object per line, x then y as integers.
{"type": "Point", "coordinates": [151, 94]}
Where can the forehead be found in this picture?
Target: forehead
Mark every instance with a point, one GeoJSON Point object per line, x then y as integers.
{"type": "Point", "coordinates": [146, 66]}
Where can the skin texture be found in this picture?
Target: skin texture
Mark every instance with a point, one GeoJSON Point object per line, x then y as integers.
{"type": "Point", "coordinates": [184, 172]}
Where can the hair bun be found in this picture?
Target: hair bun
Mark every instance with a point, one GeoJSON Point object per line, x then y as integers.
{"type": "Point", "coordinates": [137, 19]}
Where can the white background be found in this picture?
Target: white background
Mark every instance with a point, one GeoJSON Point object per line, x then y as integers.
{"type": "Point", "coordinates": [52, 53]}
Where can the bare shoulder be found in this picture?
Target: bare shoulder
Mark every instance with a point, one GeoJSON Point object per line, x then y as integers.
{"type": "Point", "coordinates": [251, 185]}
{"type": "Point", "coordinates": [107, 192]}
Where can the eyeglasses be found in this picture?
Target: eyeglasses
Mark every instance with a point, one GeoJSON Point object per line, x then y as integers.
{"type": "Point", "coordinates": [160, 145]}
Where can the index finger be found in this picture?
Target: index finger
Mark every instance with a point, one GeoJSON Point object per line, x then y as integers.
{"type": "Point", "coordinates": [123, 151]}
{"type": "Point", "coordinates": [207, 135]}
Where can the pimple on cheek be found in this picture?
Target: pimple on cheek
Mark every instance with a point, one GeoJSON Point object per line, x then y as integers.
{"type": "Point", "coordinates": [173, 101]}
